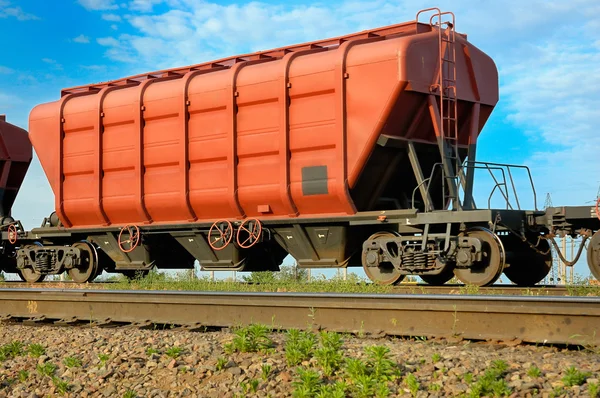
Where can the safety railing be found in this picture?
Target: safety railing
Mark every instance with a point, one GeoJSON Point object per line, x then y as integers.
{"type": "Point", "coordinates": [500, 184]}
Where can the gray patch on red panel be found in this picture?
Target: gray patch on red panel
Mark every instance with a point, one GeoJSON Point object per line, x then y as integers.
{"type": "Point", "coordinates": [314, 180]}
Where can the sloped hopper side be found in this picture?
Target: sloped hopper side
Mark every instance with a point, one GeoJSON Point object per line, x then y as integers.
{"type": "Point", "coordinates": [15, 157]}
{"type": "Point", "coordinates": [380, 173]}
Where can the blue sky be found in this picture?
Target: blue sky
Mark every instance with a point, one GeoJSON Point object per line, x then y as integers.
{"type": "Point", "coordinates": [547, 52]}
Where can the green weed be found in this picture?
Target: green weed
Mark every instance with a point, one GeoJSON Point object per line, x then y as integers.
{"type": "Point", "coordinates": [174, 352]}
{"type": "Point", "coordinates": [307, 384]}
{"type": "Point", "coordinates": [61, 386]}
{"type": "Point", "coordinates": [364, 386]}
{"type": "Point", "coordinates": [382, 368]}
{"type": "Point", "coordinates": [150, 351]}
{"type": "Point", "coordinates": [337, 390]}
{"type": "Point", "coordinates": [36, 350]}
{"type": "Point", "coordinates": [355, 368]}
{"type": "Point", "coordinates": [72, 362]}
{"type": "Point", "coordinates": [435, 387]}
{"type": "Point", "coordinates": [252, 338]}
{"type": "Point", "coordinates": [299, 346]}
{"type": "Point", "coordinates": [468, 378]}
{"type": "Point", "coordinates": [103, 359]}
{"type": "Point", "coordinates": [221, 362]}
{"type": "Point", "coordinates": [557, 392]}
{"type": "Point", "coordinates": [412, 383]}
{"type": "Point", "coordinates": [130, 394]}
{"type": "Point", "coordinates": [329, 355]}
{"type": "Point", "coordinates": [265, 371]}
{"type": "Point", "coordinates": [382, 391]}
{"type": "Point", "coordinates": [436, 358]}
{"type": "Point", "coordinates": [11, 350]}
{"type": "Point", "coordinates": [534, 371]}
{"type": "Point", "coordinates": [46, 369]}
{"type": "Point", "coordinates": [492, 382]}
{"type": "Point", "coordinates": [253, 385]}
{"type": "Point", "coordinates": [593, 389]}
{"type": "Point", "coordinates": [574, 377]}
{"type": "Point", "coordinates": [23, 375]}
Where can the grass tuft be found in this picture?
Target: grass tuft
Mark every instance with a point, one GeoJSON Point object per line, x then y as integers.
{"type": "Point", "coordinates": [574, 377]}
{"type": "Point", "coordinates": [72, 362]}
{"type": "Point", "coordinates": [174, 352]}
{"type": "Point", "coordinates": [46, 369]}
{"type": "Point", "coordinates": [36, 350]}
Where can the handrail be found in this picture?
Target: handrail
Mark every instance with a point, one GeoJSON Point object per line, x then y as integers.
{"type": "Point", "coordinates": [501, 185]}
{"type": "Point", "coordinates": [508, 167]}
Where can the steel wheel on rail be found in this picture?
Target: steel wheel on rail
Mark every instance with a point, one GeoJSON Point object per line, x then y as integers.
{"type": "Point", "coordinates": [87, 270]}
{"type": "Point", "coordinates": [29, 275]}
{"type": "Point", "coordinates": [489, 269]}
{"type": "Point", "coordinates": [383, 273]}
{"type": "Point", "coordinates": [441, 278]}
{"type": "Point", "coordinates": [593, 255]}
{"type": "Point", "coordinates": [526, 266]}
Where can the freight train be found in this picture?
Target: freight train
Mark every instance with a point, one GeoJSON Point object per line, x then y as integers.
{"type": "Point", "coordinates": [355, 151]}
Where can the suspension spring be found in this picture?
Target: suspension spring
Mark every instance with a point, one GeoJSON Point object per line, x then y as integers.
{"type": "Point", "coordinates": [43, 262]}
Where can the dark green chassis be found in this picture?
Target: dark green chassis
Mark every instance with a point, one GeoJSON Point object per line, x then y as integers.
{"type": "Point", "coordinates": [333, 241]}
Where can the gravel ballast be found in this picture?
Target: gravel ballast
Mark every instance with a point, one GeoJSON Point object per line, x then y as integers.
{"type": "Point", "coordinates": [118, 362]}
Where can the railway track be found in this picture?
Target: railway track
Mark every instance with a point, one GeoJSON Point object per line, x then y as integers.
{"type": "Point", "coordinates": [540, 319]}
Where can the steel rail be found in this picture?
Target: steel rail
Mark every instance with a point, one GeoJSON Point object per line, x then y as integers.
{"type": "Point", "coordinates": [541, 319]}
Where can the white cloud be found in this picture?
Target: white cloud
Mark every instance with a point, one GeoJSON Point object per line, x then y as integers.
{"type": "Point", "coordinates": [82, 39]}
{"type": "Point", "coordinates": [8, 11]}
{"type": "Point", "coordinates": [5, 70]}
{"type": "Point", "coordinates": [95, 5]}
{"type": "Point", "coordinates": [108, 42]}
{"type": "Point", "coordinates": [111, 17]}
{"type": "Point", "coordinates": [53, 63]}
{"type": "Point", "coordinates": [8, 101]}
{"type": "Point", "coordinates": [143, 5]}
{"type": "Point", "coordinates": [93, 67]}
{"type": "Point", "coordinates": [555, 96]}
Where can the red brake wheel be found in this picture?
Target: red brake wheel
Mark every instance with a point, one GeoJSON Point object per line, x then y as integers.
{"type": "Point", "coordinates": [249, 233]}
{"type": "Point", "coordinates": [129, 238]}
{"type": "Point", "coordinates": [220, 234]}
{"type": "Point", "coordinates": [12, 234]}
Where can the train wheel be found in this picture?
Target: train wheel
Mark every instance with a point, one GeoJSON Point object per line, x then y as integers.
{"type": "Point", "coordinates": [29, 275]}
{"type": "Point", "coordinates": [528, 267]}
{"type": "Point", "coordinates": [593, 255]}
{"type": "Point", "coordinates": [441, 278]}
{"type": "Point", "coordinates": [87, 270]}
{"type": "Point", "coordinates": [380, 273]}
{"type": "Point", "coordinates": [489, 269]}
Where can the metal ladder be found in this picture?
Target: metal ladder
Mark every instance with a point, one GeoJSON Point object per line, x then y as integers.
{"type": "Point", "coordinates": [448, 102]}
